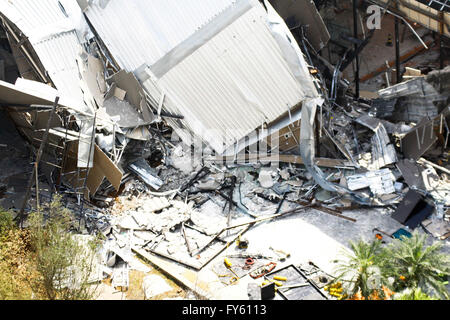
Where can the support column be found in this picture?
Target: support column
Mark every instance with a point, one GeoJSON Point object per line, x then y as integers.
{"type": "Point", "coordinates": [441, 32]}
{"type": "Point", "coordinates": [355, 35]}
{"type": "Point", "coordinates": [397, 52]}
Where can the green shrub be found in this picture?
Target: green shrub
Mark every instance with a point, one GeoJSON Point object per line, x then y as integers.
{"type": "Point", "coordinates": [16, 265]}
{"type": "Point", "coordinates": [359, 270]}
{"type": "Point", "coordinates": [413, 294]}
{"type": "Point", "coordinates": [406, 265]}
{"type": "Point", "coordinates": [63, 262]}
{"type": "Point", "coordinates": [6, 221]}
{"type": "Point", "coordinates": [414, 265]}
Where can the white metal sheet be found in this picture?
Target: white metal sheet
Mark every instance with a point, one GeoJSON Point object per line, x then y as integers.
{"type": "Point", "coordinates": [138, 32]}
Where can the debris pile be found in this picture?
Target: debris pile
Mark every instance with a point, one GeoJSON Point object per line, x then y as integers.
{"type": "Point", "coordinates": [177, 143]}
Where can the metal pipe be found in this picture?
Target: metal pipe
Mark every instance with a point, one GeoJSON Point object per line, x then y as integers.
{"type": "Point", "coordinates": [441, 33]}
{"type": "Point", "coordinates": [397, 52]}
{"type": "Point", "coordinates": [355, 35]}
{"type": "Point", "coordinates": [410, 27]}
{"type": "Point", "coordinates": [21, 215]}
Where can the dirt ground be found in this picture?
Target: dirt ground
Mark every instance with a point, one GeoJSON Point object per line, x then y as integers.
{"type": "Point", "coordinates": [136, 291]}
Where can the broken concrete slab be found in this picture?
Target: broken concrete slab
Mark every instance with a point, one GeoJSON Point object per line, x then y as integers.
{"type": "Point", "coordinates": [254, 291]}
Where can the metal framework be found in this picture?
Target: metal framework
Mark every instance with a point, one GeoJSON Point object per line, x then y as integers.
{"type": "Point", "coordinates": [57, 156]}
{"type": "Point", "coordinates": [442, 5]}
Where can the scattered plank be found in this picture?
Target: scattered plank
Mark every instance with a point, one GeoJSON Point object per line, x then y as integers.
{"type": "Point", "coordinates": [286, 158]}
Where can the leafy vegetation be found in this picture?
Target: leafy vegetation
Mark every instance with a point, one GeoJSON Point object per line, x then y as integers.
{"type": "Point", "coordinates": [16, 264]}
{"type": "Point", "coordinates": [46, 260]}
{"type": "Point", "coordinates": [406, 266]}
{"type": "Point", "coordinates": [412, 264]}
{"type": "Point", "coordinates": [359, 270]}
{"type": "Point", "coordinates": [6, 222]}
{"type": "Point", "coordinates": [413, 294]}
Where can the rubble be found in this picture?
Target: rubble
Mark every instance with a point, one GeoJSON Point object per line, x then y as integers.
{"type": "Point", "coordinates": [380, 182]}
{"type": "Point", "coordinates": [175, 148]}
{"type": "Point", "coordinates": [154, 285]}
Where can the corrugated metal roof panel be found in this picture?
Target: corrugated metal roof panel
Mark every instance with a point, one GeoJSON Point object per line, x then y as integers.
{"type": "Point", "coordinates": [229, 74]}
{"type": "Point", "coordinates": [138, 32]}
{"type": "Point", "coordinates": [59, 55]}
{"type": "Point", "coordinates": [31, 15]}
{"type": "Point", "coordinates": [54, 36]}
{"type": "Point", "coordinates": [234, 83]}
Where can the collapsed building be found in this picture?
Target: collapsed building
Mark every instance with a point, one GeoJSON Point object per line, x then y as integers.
{"type": "Point", "coordinates": [148, 116]}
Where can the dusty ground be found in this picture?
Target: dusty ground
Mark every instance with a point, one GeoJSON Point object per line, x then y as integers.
{"type": "Point", "coordinates": [308, 236]}
{"type": "Point", "coordinates": [136, 292]}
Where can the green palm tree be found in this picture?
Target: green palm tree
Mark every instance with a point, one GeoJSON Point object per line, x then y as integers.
{"type": "Point", "coordinates": [360, 268]}
{"type": "Point", "coordinates": [413, 265]}
{"type": "Point", "coordinates": [413, 294]}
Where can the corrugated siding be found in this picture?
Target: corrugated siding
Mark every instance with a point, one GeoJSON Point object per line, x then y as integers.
{"type": "Point", "coordinates": [230, 86]}
{"type": "Point", "coordinates": [57, 52]}
{"type": "Point", "coordinates": [234, 83]}
{"type": "Point", "coordinates": [31, 15]}
{"type": "Point", "coordinates": [59, 55]}
{"type": "Point", "coordinates": [138, 32]}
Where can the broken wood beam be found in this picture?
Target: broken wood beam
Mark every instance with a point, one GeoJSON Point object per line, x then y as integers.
{"type": "Point", "coordinates": [200, 231]}
{"type": "Point", "coordinates": [170, 257]}
{"type": "Point", "coordinates": [220, 193]}
{"type": "Point", "coordinates": [331, 212]}
{"type": "Point", "coordinates": [285, 158]}
{"type": "Point", "coordinates": [426, 13]}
